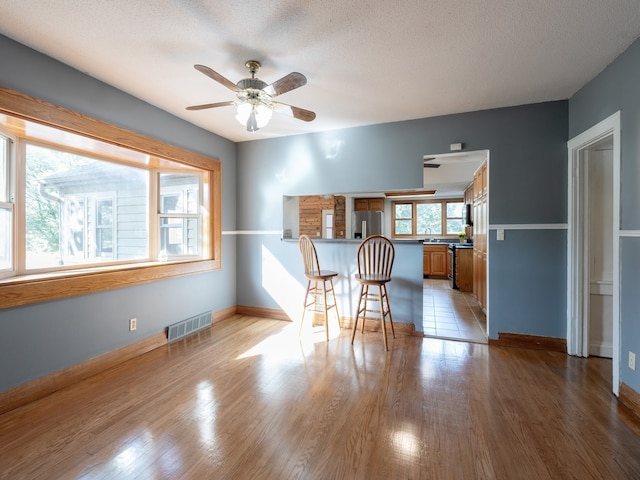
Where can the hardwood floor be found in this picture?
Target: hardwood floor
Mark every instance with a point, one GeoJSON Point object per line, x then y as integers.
{"type": "Point", "coordinates": [249, 400]}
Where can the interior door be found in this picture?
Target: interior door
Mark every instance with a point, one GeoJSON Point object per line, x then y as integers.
{"type": "Point", "coordinates": [599, 228]}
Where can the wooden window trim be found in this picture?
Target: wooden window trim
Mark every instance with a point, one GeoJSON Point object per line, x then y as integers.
{"type": "Point", "coordinates": [394, 218]}
{"type": "Point", "coordinates": [28, 289]}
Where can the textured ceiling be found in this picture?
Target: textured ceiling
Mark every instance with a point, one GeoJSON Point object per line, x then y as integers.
{"type": "Point", "coordinates": [366, 62]}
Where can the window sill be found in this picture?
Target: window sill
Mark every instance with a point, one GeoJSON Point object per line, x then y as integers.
{"type": "Point", "coordinates": [28, 289]}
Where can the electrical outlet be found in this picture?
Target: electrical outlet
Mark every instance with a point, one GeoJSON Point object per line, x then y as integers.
{"type": "Point", "coordinates": [133, 324]}
{"type": "Point", "coordinates": [632, 360]}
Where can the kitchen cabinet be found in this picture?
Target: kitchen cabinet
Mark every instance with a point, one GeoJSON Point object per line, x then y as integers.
{"type": "Point", "coordinates": [480, 221]}
{"type": "Point", "coordinates": [464, 269]}
{"type": "Point", "coordinates": [468, 194]}
{"type": "Point", "coordinates": [360, 204]}
{"type": "Point", "coordinates": [435, 260]}
{"type": "Point", "coordinates": [480, 181]}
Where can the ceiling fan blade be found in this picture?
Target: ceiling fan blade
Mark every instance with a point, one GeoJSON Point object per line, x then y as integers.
{"type": "Point", "coordinates": [285, 84]}
{"type": "Point", "coordinates": [211, 105]}
{"type": "Point", "coordinates": [217, 77]}
{"type": "Point", "coordinates": [295, 112]}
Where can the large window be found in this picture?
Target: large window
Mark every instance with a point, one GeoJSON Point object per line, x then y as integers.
{"type": "Point", "coordinates": [93, 206]}
{"type": "Point", "coordinates": [69, 210]}
{"type": "Point", "coordinates": [82, 210]}
{"type": "Point", "coordinates": [428, 219]}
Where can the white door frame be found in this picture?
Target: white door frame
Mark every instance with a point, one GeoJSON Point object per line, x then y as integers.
{"type": "Point", "coordinates": [577, 287]}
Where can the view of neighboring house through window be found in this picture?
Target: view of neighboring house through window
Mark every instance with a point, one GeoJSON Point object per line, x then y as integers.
{"type": "Point", "coordinates": [69, 209]}
{"type": "Point", "coordinates": [179, 214]}
{"type": "Point", "coordinates": [428, 219]}
{"type": "Point", "coordinates": [104, 228]}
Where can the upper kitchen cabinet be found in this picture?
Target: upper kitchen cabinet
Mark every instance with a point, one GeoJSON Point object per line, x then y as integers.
{"type": "Point", "coordinates": [363, 204]}
{"type": "Point", "coordinates": [480, 182]}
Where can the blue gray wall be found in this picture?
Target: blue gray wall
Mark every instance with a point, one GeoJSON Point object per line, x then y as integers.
{"type": "Point", "coordinates": [527, 186]}
{"type": "Point", "coordinates": [618, 88]}
{"type": "Point", "coordinates": [40, 339]}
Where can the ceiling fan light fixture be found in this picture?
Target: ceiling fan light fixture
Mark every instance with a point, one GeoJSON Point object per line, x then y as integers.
{"type": "Point", "coordinates": [252, 123]}
{"type": "Point", "coordinates": [253, 115]}
{"type": "Point", "coordinates": [255, 106]}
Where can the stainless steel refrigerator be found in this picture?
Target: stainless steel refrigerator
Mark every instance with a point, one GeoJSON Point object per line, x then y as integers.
{"type": "Point", "coordinates": [366, 223]}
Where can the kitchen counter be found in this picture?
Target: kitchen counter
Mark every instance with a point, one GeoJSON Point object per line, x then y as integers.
{"type": "Point", "coordinates": [451, 243]}
{"type": "Point", "coordinates": [356, 240]}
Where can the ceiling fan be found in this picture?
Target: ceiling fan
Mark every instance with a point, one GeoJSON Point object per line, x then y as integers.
{"type": "Point", "coordinates": [255, 102]}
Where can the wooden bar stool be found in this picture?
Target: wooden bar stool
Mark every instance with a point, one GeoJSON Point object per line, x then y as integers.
{"type": "Point", "coordinates": [375, 261]}
{"type": "Point", "coordinates": [320, 279]}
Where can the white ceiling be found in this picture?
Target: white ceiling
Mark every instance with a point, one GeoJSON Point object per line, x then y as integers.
{"type": "Point", "coordinates": [455, 172]}
{"type": "Point", "coordinates": [366, 62]}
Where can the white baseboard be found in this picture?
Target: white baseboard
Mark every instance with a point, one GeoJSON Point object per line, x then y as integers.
{"type": "Point", "coordinates": [599, 350]}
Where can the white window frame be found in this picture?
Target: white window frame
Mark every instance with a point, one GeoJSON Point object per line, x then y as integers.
{"type": "Point", "coordinates": [97, 229]}
{"type": "Point", "coordinates": [182, 216]}
{"type": "Point", "coordinates": [7, 202]}
{"type": "Point", "coordinates": [327, 223]}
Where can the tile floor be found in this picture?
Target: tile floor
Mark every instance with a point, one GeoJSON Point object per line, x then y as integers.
{"type": "Point", "coordinates": [452, 314]}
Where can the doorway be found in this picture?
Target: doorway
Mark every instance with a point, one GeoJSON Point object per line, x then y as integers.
{"type": "Point", "coordinates": [597, 231]}
{"type": "Point", "coordinates": [456, 313]}
{"type": "Point", "coordinates": [593, 314]}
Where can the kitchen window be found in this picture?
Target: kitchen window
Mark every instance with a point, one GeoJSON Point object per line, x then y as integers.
{"type": "Point", "coordinates": [428, 218]}
{"type": "Point", "coordinates": [88, 205]}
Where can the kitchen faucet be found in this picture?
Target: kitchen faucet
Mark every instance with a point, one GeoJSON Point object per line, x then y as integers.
{"type": "Point", "coordinates": [427, 231]}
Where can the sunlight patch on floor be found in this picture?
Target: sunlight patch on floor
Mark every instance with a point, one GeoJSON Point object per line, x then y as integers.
{"type": "Point", "coordinates": [406, 443]}
{"type": "Point", "coordinates": [289, 343]}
